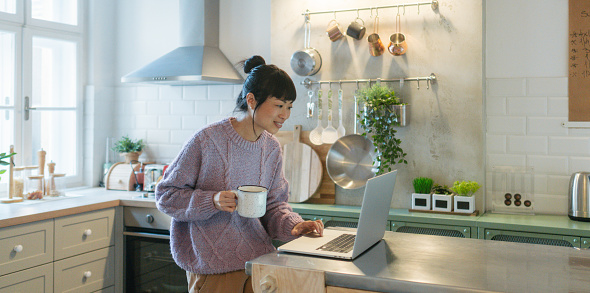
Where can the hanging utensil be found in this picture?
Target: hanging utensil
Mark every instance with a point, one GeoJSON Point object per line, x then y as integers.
{"type": "Point", "coordinates": [310, 104]}
{"type": "Point", "coordinates": [315, 136]}
{"type": "Point", "coordinates": [376, 47]}
{"type": "Point", "coordinates": [397, 45]}
{"type": "Point", "coordinates": [341, 130]}
{"type": "Point", "coordinates": [350, 161]}
{"type": "Point", "coordinates": [330, 134]}
{"type": "Point", "coordinates": [307, 61]}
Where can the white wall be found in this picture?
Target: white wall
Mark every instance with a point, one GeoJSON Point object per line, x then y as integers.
{"type": "Point", "coordinates": [526, 98]}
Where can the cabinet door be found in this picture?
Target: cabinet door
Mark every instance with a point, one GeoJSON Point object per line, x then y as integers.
{"type": "Point", "coordinates": [85, 273]}
{"type": "Point", "coordinates": [25, 246]}
{"type": "Point", "coordinates": [431, 229]}
{"type": "Point", "coordinates": [282, 279]}
{"type": "Point", "coordinates": [77, 234]}
{"type": "Point", "coordinates": [35, 280]}
{"type": "Point", "coordinates": [533, 238]}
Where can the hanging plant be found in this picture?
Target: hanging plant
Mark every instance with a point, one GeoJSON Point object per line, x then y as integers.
{"type": "Point", "coordinates": [378, 119]}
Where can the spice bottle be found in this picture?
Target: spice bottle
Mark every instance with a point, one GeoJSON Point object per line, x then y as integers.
{"type": "Point", "coordinates": [18, 182]}
{"type": "Point", "coordinates": [56, 184]}
{"type": "Point", "coordinates": [34, 187]}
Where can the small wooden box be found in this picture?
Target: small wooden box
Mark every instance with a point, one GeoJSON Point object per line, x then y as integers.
{"type": "Point", "coordinates": [121, 176]}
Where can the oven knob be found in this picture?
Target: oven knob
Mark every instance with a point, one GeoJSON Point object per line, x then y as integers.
{"type": "Point", "coordinates": [149, 219]}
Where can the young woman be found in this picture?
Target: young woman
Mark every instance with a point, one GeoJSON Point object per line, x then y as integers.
{"type": "Point", "coordinates": [208, 238]}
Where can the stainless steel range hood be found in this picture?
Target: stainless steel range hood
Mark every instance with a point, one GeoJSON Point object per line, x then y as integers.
{"type": "Point", "coordinates": [198, 60]}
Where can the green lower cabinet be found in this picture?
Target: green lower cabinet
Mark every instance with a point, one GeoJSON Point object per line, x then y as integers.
{"type": "Point", "coordinates": [431, 229]}
{"type": "Point", "coordinates": [533, 238]}
{"type": "Point", "coordinates": [333, 221]}
{"type": "Point", "coordinates": [585, 242]}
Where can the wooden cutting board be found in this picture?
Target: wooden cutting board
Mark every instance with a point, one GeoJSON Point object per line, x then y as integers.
{"type": "Point", "coordinates": [302, 168]}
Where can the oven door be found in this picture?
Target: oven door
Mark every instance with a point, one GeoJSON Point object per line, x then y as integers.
{"type": "Point", "coordinates": [149, 264]}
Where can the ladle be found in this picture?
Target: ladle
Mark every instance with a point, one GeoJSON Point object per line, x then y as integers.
{"type": "Point", "coordinates": [315, 136]}
{"type": "Point", "coordinates": [341, 130]}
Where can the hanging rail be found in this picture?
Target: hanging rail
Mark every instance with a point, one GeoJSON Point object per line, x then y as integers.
{"type": "Point", "coordinates": [433, 4]}
{"type": "Point", "coordinates": [430, 79]}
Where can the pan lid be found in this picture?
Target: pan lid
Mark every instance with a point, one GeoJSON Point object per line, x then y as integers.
{"type": "Point", "coordinates": [350, 161]}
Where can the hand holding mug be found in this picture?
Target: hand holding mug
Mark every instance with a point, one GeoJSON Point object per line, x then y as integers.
{"type": "Point", "coordinates": [225, 201]}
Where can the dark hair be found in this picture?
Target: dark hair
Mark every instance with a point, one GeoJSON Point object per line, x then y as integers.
{"type": "Point", "coordinates": [264, 81]}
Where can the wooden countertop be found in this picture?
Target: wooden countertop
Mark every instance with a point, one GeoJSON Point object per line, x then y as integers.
{"type": "Point", "coordinates": [75, 202]}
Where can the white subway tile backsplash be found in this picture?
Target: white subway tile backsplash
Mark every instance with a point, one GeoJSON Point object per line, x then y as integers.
{"type": "Point", "coordinates": [495, 144]}
{"type": "Point", "coordinates": [550, 204]}
{"type": "Point", "coordinates": [194, 122]}
{"type": "Point", "coordinates": [547, 86]}
{"type": "Point", "coordinates": [526, 144]}
{"type": "Point", "coordinates": [578, 131]}
{"type": "Point", "coordinates": [506, 125]}
{"type": "Point", "coordinates": [227, 107]}
{"type": "Point", "coordinates": [180, 136]}
{"type": "Point", "coordinates": [506, 87]}
{"type": "Point", "coordinates": [545, 126]}
{"type": "Point", "coordinates": [211, 119]}
{"type": "Point", "coordinates": [194, 92]}
{"type": "Point", "coordinates": [551, 165]}
{"type": "Point", "coordinates": [158, 107]}
{"type": "Point", "coordinates": [183, 107]}
{"type": "Point", "coordinates": [506, 160]}
{"type": "Point", "coordinates": [569, 146]}
{"type": "Point", "coordinates": [170, 93]}
{"type": "Point", "coordinates": [169, 122]}
{"type": "Point", "coordinates": [558, 185]}
{"type": "Point", "coordinates": [207, 108]}
{"type": "Point", "coordinates": [147, 93]}
{"type": "Point", "coordinates": [540, 183]}
{"type": "Point", "coordinates": [527, 106]}
{"type": "Point", "coordinates": [557, 107]}
{"type": "Point", "coordinates": [221, 92]}
{"type": "Point", "coordinates": [577, 164]}
{"type": "Point", "coordinates": [146, 121]}
{"type": "Point", "coordinates": [167, 152]}
{"type": "Point", "coordinates": [158, 136]}
{"type": "Point", "coordinates": [138, 107]}
{"type": "Point", "coordinates": [126, 93]}
{"type": "Point", "coordinates": [495, 106]}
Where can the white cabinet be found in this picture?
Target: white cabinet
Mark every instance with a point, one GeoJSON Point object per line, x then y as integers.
{"type": "Point", "coordinates": [34, 280]}
{"type": "Point", "coordinates": [80, 233]}
{"type": "Point", "coordinates": [88, 272]}
{"type": "Point", "coordinates": [25, 246]}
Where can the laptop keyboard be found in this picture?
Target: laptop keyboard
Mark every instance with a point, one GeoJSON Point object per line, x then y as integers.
{"type": "Point", "coordinates": [342, 243]}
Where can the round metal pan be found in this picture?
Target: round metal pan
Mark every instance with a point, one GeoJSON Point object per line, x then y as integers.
{"type": "Point", "coordinates": [306, 62]}
{"type": "Point", "coordinates": [350, 161]}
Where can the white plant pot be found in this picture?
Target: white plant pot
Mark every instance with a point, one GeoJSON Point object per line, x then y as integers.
{"type": "Point", "coordinates": [465, 204]}
{"type": "Point", "coordinates": [442, 203]}
{"type": "Point", "coordinates": [420, 201]}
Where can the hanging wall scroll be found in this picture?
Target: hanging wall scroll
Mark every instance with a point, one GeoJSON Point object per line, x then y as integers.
{"type": "Point", "coordinates": [579, 60]}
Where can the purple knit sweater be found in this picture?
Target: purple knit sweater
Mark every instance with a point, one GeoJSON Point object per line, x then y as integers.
{"type": "Point", "coordinates": [205, 240]}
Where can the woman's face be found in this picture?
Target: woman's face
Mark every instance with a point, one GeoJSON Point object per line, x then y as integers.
{"type": "Point", "coordinates": [271, 115]}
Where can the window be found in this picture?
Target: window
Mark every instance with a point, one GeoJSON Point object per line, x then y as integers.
{"type": "Point", "coordinates": [40, 83]}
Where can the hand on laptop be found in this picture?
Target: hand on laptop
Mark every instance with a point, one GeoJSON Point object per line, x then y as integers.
{"type": "Point", "coordinates": [308, 227]}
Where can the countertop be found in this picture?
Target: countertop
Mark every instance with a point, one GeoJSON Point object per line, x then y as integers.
{"type": "Point", "coordinates": [74, 202]}
{"type": "Point", "coordinates": [422, 263]}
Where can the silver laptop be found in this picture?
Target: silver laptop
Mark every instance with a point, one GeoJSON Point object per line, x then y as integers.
{"type": "Point", "coordinates": [371, 226]}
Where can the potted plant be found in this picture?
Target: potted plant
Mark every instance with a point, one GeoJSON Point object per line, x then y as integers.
{"type": "Point", "coordinates": [378, 119]}
{"type": "Point", "coordinates": [3, 163]}
{"type": "Point", "coordinates": [442, 198]}
{"type": "Point", "coordinates": [130, 149]}
{"type": "Point", "coordinates": [465, 201]}
{"type": "Point", "coordinates": [421, 197]}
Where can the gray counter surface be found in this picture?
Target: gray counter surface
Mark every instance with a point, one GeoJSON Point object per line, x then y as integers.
{"type": "Point", "coordinates": [422, 263]}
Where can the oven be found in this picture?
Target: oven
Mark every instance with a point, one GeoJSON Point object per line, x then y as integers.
{"type": "Point", "coordinates": [149, 267]}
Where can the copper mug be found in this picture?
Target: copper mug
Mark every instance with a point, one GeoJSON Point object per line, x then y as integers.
{"type": "Point", "coordinates": [397, 45]}
{"type": "Point", "coordinates": [333, 31]}
{"type": "Point", "coordinates": [376, 47]}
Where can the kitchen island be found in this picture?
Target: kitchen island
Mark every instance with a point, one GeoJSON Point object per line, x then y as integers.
{"type": "Point", "coordinates": [403, 262]}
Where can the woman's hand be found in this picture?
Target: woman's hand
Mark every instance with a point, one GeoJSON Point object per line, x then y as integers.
{"type": "Point", "coordinates": [308, 227]}
{"type": "Point", "coordinates": [225, 201]}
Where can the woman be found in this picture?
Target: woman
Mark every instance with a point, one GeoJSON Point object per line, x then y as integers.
{"type": "Point", "coordinates": [208, 238]}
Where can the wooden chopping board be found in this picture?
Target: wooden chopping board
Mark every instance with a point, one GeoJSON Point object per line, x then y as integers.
{"type": "Point", "coordinates": [302, 168]}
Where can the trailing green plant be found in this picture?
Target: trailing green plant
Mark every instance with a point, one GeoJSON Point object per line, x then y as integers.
{"type": "Point", "coordinates": [3, 163]}
{"type": "Point", "coordinates": [378, 119]}
{"type": "Point", "coordinates": [465, 188]}
{"type": "Point", "coordinates": [127, 145]}
{"type": "Point", "coordinates": [441, 189]}
{"type": "Point", "coordinates": [422, 185]}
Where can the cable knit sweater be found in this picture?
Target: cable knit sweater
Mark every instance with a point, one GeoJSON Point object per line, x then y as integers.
{"type": "Point", "coordinates": [203, 239]}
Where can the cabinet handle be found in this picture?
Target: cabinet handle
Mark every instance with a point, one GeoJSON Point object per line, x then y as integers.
{"type": "Point", "coordinates": [87, 232]}
{"type": "Point", "coordinates": [268, 284]}
{"type": "Point", "coordinates": [87, 274]}
{"type": "Point", "coordinates": [149, 219]}
{"type": "Point", "coordinates": [18, 248]}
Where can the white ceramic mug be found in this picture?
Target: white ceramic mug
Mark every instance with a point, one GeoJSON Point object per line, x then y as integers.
{"type": "Point", "coordinates": [251, 201]}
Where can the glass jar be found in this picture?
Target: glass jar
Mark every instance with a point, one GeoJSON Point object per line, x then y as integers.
{"type": "Point", "coordinates": [56, 184]}
{"type": "Point", "coordinates": [18, 186]}
{"type": "Point", "coordinates": [34, 187]}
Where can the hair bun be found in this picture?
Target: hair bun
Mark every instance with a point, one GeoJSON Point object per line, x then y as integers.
{"type": "Point", "coordinates": [253, 62]}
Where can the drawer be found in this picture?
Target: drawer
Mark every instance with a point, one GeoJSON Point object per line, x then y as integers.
{"type": "Point", "coordinates": [82, 233]}
{"type": "Point", "coordinates": [37, 279]}
{"type": "Point", "coordinates": [88, 272]}
{"type": "Point", "coordinates": [25, 246]}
